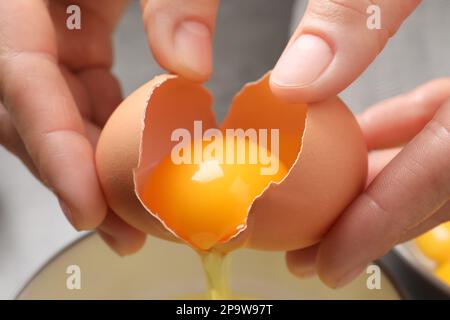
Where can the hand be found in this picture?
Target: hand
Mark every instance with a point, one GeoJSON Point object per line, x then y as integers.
{"type": "Point", "coordinates": [408, 186]}
{"type": "Point", "coordinates": [331, 47]}
{"type": "Point", "coordinates": [57, 92]}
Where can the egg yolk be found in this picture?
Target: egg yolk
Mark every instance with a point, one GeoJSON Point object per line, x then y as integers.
{"type": "Point", "coordinates": [443, 272]}
{"type": "Point", "coordinates": [208, 202]}
{"type": "Point", "coordinates": [435, 244]}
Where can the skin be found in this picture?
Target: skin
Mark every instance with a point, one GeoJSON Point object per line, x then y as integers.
{"type": "Point", "coordinates": [408, 188]}
{"type": "Point", "coordinates": [49, 116]}
{"type": "Point", "coordinates": [408, 185]}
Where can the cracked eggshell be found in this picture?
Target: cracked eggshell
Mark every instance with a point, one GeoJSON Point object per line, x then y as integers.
{"type": "Point", "coordinates": [330, 171]}
{"type": "Point", "coordinates": [321, 144]}
{"type": "Point", "coordinates": [327, 157]}
{"type": "Point", "coordinates": [118, 152]}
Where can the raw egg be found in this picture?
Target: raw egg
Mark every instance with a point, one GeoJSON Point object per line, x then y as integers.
{"type": "Point", "coordinates": [443, 272]}
{"type": "Point", "coordinates": [314, 164]}
{"type": "Point", "coordinates": [207, 203]}
{"type": "Point", "coordinates": [435, 244]}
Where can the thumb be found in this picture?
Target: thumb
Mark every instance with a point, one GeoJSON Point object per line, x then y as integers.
{"type": "Point", "coordinates": [333, 45]}
{"type": "Point", "coordinates": [180, 35]}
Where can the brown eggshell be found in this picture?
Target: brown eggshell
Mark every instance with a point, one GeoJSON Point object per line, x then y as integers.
{"type": "Point", "coordinates": [321, 143]}
{"type": "Point", "coordinates": [174, 103]}
{"type": "Point", "coordinates": [327, 172]}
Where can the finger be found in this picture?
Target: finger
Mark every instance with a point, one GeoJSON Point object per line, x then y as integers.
{"type": "Point", "coordinates": [78, 92]}
{"type": "Point", "coordinates": [302, 262]}
{"type": "Point", "coordinates": [332, 46]}
{"type": "Point", "coordinates": [10, 139]}
{"type": "Point", "coordinates": [92, 133]}
{"type": "Point", "coordinates": [85, 106]}
{"type": "Point", "coordinates": [397, 120]}
{"type": "Point", "coordinates": [91, 46]}
{"type": "Point", "coordinates": [180, 35]}
{"type": "Point", "coordinates": [379, 159]}
{"type": "Point", "coordinates": [44, 113]}
{"type": "Point", "coordinates": [103, 91]}
{"type": "Point", "coordinates": [441, 216]}
{"type": "Point", "coordinates": [96, 93]}
{"type": "Point", "coordinates": [413, 186]}
{"type": "Point", "coordinates": [120, 237]}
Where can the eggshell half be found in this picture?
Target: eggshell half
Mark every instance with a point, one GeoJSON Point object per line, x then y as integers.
{"type": "Point", "coordinates": [321, 143]}
{"type": "Point", "coordinates": [328, 167]}
{"type": "Point", "coordinates": [178, 102]}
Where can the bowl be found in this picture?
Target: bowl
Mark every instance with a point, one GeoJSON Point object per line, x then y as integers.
{"type": "Point", "coordinates": [166, 270]}
{"type": "Point", "coordinates": [411, 255]}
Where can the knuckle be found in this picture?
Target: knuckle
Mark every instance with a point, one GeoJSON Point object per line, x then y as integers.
{"type": "Point", "coordinates": [351, 14]}
{"type": "Point", "coordinates": [440, 135]}
{"type": "Point", "coordinates": [99, 53]}
{"type": "Point", "coordinates": [395, 227]}
{"type": "Point", "coordinates": [376, 205]}
{"type": "Point", "coordinates": [337, 10]}
{"type": "Point", "coordinates": [440, 130]}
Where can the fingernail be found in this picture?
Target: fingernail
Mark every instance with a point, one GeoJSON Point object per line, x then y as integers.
{"type": "Point", "coordinates": [303, 271]}
{"type": "Point", "coordinates": [349, 276]}
{"type": "Point", "coordinates": [306, 274]}
{"type": "Point", "coordinates": [112, 243]}
{"type": "Point", "coordinates": [67, 212]}
{"type": "Point", "coordinates": [192, 44]}
{"type": "Point", "coordinates": [303, 62]}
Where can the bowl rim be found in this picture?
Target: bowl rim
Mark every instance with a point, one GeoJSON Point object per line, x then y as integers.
{"type": "Point", "coordinates": [399, 289]}
{"type": "Point", "coordinates": [33, 275]}
{"type": "Point", "coordinates": [406, 254]}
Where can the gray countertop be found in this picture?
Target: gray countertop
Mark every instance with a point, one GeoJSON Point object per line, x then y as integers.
{"type": "Point", "coordinates": [250, 36]}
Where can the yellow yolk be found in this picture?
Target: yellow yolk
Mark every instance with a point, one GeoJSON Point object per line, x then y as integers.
{"type": "Point", "coordinates": [443, 272]}
{"type": "Point", "coordinates": [435, 244]}
{"type": "Point", "coordinates": [206, 203]}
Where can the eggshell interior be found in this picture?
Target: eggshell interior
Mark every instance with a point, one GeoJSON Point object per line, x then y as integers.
{"type": "Point", "coordinates": [256, 107]}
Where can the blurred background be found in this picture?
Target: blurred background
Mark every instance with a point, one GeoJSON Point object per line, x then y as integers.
{"type": "Point", "coordinates": [250, 36]}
